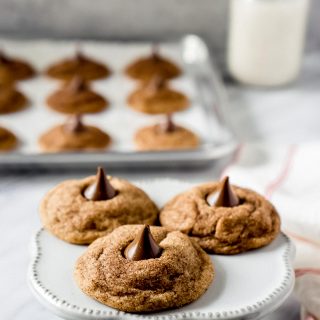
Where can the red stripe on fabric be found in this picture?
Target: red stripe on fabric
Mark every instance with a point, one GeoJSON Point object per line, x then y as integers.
{"type": "Point", "coordinates": [303, 239]}
{"type": "Point", "coordinates": [271, 189]}
{"type": "Point", "coordinates": [274, 185]}
{"type": "Point", "coordinates": [302, 271]}
{"type": "Point", "coordinates": [278, 181]}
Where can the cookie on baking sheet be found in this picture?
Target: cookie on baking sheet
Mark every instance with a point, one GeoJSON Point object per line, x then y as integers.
{"type": "Point", "coordinates": [11, 100]}
{"type": "Point", "coordinates": [223, 219]}
{"type": "Point", "coordinates": [142, 269]}
{"type": "Point", "coordinates": [18, 69]}
{"type": "Point", "coordinates": [80, 211]}
{"type": "Point", "coordinates": [8, 140]}
{"type": "Point", "coordinates": [76, 97]}
{"type": "Point", "coordinates": [156, 97]}
{"type": "Point", "coordinates": [167, 136]}
{"type": "Point", "coordinates": [79, 65]}
{"type": "Point", "coordinates": [74, 136]}
{"type": "Point", "coordinates": [6, 78]}
{"type": "Point", "coordinates": [146, 68]}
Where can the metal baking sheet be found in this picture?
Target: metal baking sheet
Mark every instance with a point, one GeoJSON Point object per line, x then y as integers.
{"type": "Point", "coordinates": [200, 82]}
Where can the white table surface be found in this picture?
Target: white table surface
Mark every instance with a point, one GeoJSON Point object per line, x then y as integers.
{"type": "Point", "coordinates": [284, 115]}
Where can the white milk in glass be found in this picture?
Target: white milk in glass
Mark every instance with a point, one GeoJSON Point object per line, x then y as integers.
{"type": "Point", "coordinates": [266, 40]}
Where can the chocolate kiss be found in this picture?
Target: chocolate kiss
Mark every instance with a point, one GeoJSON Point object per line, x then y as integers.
{"type": "Point", "coordinates": [143, 247]}
{"type": "Point", "coordinates": [226, 197]}
{"type": "Point", "coordinates": [77, 84]}
{"type": "Point", "coordinates": [74, 124]}
{"type": "Point", "coordinates": [3, 58]}
{"type": "Point", "coordinates": [155, 52]}
{"type": "Point", "coordinates": [79, 56]}
{"type": "Point", "coordinates": [156, 83]}
{"type": "Point", "coordinates": [101, 189]}
{"type": "Point", "coordinates": [169, 125]}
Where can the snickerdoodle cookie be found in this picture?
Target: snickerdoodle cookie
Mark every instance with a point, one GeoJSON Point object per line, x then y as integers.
{"type": "Point", "coordinates": [137, 269]}
{"type": "Point", "coordinates": [18, 69]}
{"type": "Point", "coordinates": [223, 219]}
{"type": "Point", "coordinates": [8, 141]}
{"type": "Point", "coordinates": [156, 97]}
{"type": "Point", "coordinates": [6, 77]}
{"type": "Point", "coordinates": [11, 100]}
{"type": "Point", "coordinates": [80, 211]}
{"type": "Point", "coordinates": [74, 136]}
{"type": "Point", "coordinates": [167, 136]}
{"type": "Point", "coordinates": [76, 97]}
{"type": "Point", "coordinates": [79, 65]}
{"type": "Point", "coordinates": [145, 68]}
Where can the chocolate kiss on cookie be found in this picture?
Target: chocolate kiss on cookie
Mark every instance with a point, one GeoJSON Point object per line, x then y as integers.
{"type": "Point", "coordinates": [74, 124]}
{"type": "Point", "coordinates": [156, 97]}
{"type": "Point", "coordinates": [101, 189]}
{"type": "Point", "coordinates": [145, 68]}
{"type": "Point", "coordinates": [19, 69]}
{"type": "Point", "coordinates": [79, 65]}
{"type": "Point", "coordinates": [74, 136]}
{"type": "Point", "coordinates": [221, 218]}
{"type": "Point", "coordinates": [169, 125]}
{"type": "Point", "coordinates": [76, 97]}
{"type": "Point", "coordinates": [155, 84]}
{"type": "Point", "coordinates": [143, 247]}
{"type": "Point", "coordinates": [173, 273]}
{"type": "Point", "coordinates": [225, 198]}
{"type": "Point", "coordinates": [77, 84]}
{"type": "Point", "coordinates": [80, 211]}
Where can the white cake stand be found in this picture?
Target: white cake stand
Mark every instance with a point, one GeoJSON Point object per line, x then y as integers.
{"type": "Point", "coordinates": [246, 286]}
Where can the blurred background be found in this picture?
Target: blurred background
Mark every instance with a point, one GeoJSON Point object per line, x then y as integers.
{"type": "Point", "coordinates": [125, 19]}
{"type": "Point", "coordinates": [165, 19]}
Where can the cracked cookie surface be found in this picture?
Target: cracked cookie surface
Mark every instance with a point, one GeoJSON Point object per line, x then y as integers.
{"type": "Point", "coordinates": [67, 214]}
{"type": "Point", "coordinates": [252, 224]}
{"type": "Point", "coordinates": [179, 276]}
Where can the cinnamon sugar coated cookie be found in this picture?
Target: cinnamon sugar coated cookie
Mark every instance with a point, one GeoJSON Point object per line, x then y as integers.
{"type": "Point", "coordinates": [238, 220]}
{"type": "Point", "coordinates": [79, 65]}
{"type": "Point", "coordinates": [74, 136]}
{"type": "Point", "coordinates": [18, 69]}
{"type": "Point", "coordinates": [58, 139]}
{"type": "Point", "coordinates": [8, 141]}
{"type": "Point", "coordinates": [11, 100]}
{"type": "Point", "coordinates": [154, 138]}
{"type": "Point", "coordinates": [157, 97]}
{"type": "Point", "coordinates": [68, 212]}
{"type": "Point", "coordinates": [177, 276]}
{"type": "Point", "coordinates": [6, 77]}
{"type": "Point", "coordinates": [76, 97]}
{"type": "Point", "coordinates": [146, 68]}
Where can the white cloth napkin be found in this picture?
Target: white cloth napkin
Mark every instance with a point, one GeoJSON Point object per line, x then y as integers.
{"type": "Point", "coordinates": [289, 176]}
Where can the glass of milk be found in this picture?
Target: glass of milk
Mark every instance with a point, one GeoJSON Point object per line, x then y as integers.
{"type": "Point", "coordinates": [266, 40]}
